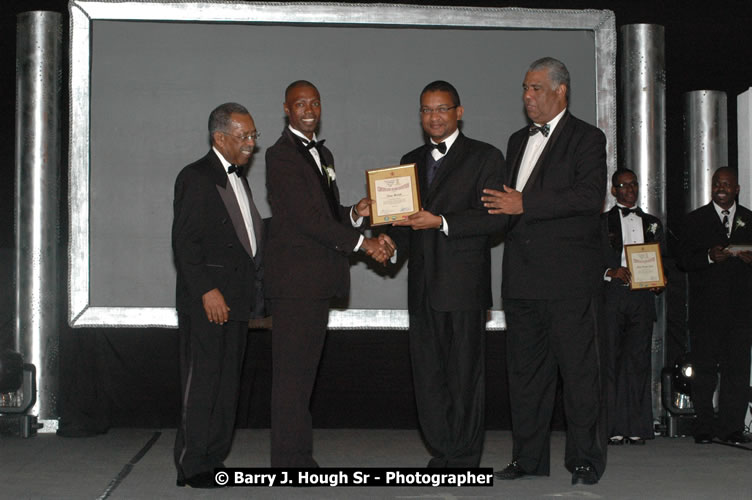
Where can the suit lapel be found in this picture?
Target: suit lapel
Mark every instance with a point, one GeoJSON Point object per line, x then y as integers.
{"type": "Point", "coordinates": [330, 191]}
{"type": "Point", "coordinates": [456, 151]}
{"type": "Point", "coordinates": [422, 166]}
{"type": "Point", "coordinates": [258, 223]}
{"type": "Point", "coordinates": [230, 201]}
{"type": "Point", "coordinates": [614, 230]}
{"type": "Point", "coordinates": [516, 161]}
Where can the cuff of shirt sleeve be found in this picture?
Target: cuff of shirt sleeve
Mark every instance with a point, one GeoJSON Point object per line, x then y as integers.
{"type": "Point", "coordinates": [360, 242]}
{"type": "Point", "coordinates": [444, 227]}
{"type": "Point", "coordinates": [355, 222]}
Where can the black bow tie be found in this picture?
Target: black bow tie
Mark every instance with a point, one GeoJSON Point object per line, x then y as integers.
{"type": "Point", "coordinates": [534, 129]}
{"type": "Point", "coordinates": [315, 144]}
{"type": "Point", "coordinates": [626, 211]}
{"type": "Point", "coordinates": [235, 168]}
{"type": "Point", "coordinates": [440, 146]}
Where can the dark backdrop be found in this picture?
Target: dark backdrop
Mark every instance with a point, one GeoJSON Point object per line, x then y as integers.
{"type": "Point", "coordinates": [129, 377]}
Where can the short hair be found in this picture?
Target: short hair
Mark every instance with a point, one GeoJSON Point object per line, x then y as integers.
{"type": "Point", "coordinates": [557, 71]}
{"type": "Point", "coordinates": [621, 171]}
{"type": "Point", "coordinates": [727, 170]}
{"type": "Point", "coordinates": [442, 86]}
{"type": "Point", "coordinates": [299, 83]}
{"type": "Point", "coordinates": [219, 119]}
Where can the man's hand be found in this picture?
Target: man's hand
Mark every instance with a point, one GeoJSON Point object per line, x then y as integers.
{"type": "Point", "coordinates": [507, 202]}
{"type": "Point", "coordinates": [378, 249]}
{"type": "Point", "coordinates": [215, 307]}
{"type": "Point", "coordinates": [620, 273]}
{"type": "Point", "coordinates": [363, 208]}
{"type": "Point", "coordinates": [719, 253]}
{"type": "Point", "coordinates": [420, 220]}
{"type": "Point", "coordinates": [385, 240]}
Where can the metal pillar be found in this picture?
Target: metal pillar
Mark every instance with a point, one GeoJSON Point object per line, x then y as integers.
{"type": "Point", "coordinates": [37, 217]}
{"type": "Point", "coordinates": [705, 143]}
{"type": "Point", "coordinates": [642, 147]}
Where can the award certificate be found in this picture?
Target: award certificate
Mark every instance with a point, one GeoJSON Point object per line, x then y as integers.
{"type": "Point", "coordinates": [395, 193]}
{"type": "Point", "coordinates": [645, 265]}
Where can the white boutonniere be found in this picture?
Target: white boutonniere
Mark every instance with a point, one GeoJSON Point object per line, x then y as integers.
{"type": "Point", "coordinates": [653, 228]}
{"type": "Point", "coordinates": [331, 175]}
{"type": "Point", "coordinates": [739, 223]}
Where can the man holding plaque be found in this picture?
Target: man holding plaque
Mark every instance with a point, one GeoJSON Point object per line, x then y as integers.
{"type": "Point", "coordinates": [552, 274]}
{"type": "Point", "coordinates": [629, 316]}
{"type": "Point", "coordinates": [311, 236]}
{"type": "Point", "coordinates": [449, 278]}
{"type": "Point", "coordinates": [720, 308]}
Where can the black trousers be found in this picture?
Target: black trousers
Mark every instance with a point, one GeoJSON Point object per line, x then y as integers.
{"type": "Point", "coordinates": [723, 350]}
{"type": "Point", "coordinates": [545, 337]}
{"type": "Point", "coordinates": [298, 338]}
{"type": "Point", "coordinates": [447, 351]}
{"type": "Point", "coordinates": [211, 360]}
{"type": "Point", "coordinates": [628, 336]}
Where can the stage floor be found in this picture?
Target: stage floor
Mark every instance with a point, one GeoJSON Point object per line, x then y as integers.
{"type": "Point", "coordinates": [137, 463]}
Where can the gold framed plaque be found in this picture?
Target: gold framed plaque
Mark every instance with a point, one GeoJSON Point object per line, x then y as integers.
{"type": "Point", "coordinates": [395, 193]}
{"type": "Point", "coordinates": [645, 265]}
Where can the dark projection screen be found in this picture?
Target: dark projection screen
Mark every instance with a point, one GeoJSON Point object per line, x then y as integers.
{"type": "Point", "coordinates": [152, 85]}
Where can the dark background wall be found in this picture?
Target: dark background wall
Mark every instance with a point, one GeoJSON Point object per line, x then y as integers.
{"type": "Point", "coordinates": [708, 46]}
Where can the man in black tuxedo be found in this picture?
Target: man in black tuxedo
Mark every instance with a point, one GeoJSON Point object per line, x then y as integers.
{"type": "Point", "coordinates": [449, 279]}
{"type": "Point", "coordinates": [629, 316]}
{"type": "Point", "coordinates": [217, 240]}
{"type": "Point", "coordinates": [551, 281]}
{"type": "Point", "coordinates": [310, 238]}
{"type": "Point", "coordinates": [720, 309]}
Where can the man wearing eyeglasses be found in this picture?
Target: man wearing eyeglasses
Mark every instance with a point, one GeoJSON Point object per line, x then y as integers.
{"type": "Point", "coordinates": [449, 278]}
{"type": "Point", "coordinates": [217, 240]}
{"type": "Point", "coordinates": [629, 316]}
{"type": "Point", "coordinates": [311, 236]}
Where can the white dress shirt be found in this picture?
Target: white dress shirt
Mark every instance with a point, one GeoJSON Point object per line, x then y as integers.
{"type": "Point", "coordinates": [236, 184]}
{"type": "Point", "coordinates": [533, 150]}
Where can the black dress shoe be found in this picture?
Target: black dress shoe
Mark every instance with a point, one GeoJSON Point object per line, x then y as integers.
{"type": "Point", "coordinates": [511, 471]}
{"type": "Point", "coordinates": [703, 439]}
{"type": "Point", "coordinates": [584, 474]}
{"type": "Point", "coordinates": [737, 437]}
{"type": "Point", "coordinates": [635, 440]}
{"type": "Point", "coordinates": [616, 441]}
{"type": "Point", "coordinates": [200, 480]}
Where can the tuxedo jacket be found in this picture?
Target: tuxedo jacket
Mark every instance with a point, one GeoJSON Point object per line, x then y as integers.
{"type": "Point", "coordinates": [310, 233]}
{"type": "Point", "coordinates": [613, 245]}
{"type": "Point", "coordinates": [553, 249]}
{"type": "Point", "coordinates": [723, 288]}
{"type": "Point", "coordinates": [211, 244]}
{"type": "Point", "coordinates": [454, 271]}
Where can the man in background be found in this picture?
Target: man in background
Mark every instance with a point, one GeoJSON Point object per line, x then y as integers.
{"type": "Point", "coordinates": [720, 309]}
{"type": "Point", "coordinates": [629, 316]}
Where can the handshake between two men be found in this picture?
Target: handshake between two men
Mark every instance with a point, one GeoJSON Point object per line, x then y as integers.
{"type": "Point", "coordinates": [380, 248]}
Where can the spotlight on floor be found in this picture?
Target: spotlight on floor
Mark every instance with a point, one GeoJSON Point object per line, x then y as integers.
{"type": "Point", "coordinates": [676, 389]}
{"type": "Point", "coordinates": [18, 393]}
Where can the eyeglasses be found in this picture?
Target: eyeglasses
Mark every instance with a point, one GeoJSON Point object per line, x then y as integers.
{"type": "Point", "coordinates": [441, 110]}
{"type": "Point", "coordinates": [245, 138]}
{"type": "Point", "coordinates": [625, 184]}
